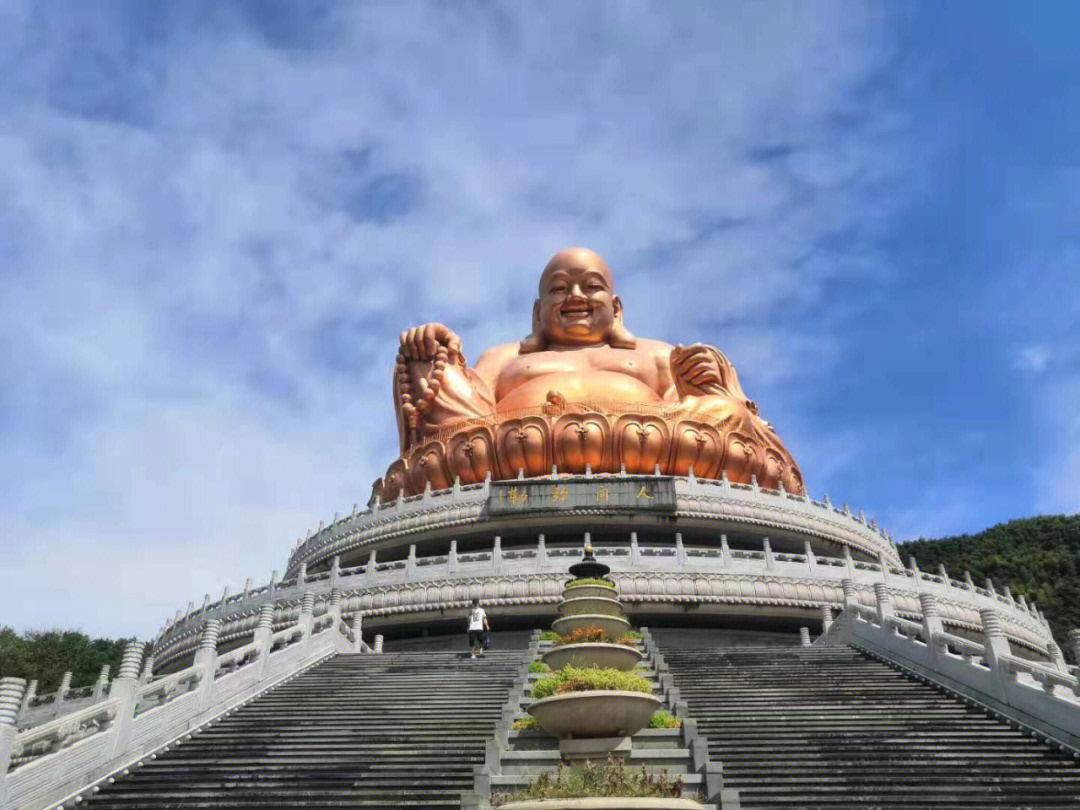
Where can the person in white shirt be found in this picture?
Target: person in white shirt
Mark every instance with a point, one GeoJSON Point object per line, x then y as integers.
{"type": "Point", "coordinates": [478, 626]}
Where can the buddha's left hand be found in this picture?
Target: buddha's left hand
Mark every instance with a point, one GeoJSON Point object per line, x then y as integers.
{"type": "Point", "coordinates": [697, 368]}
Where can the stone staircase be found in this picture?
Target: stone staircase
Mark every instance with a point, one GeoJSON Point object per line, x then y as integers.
{"type": "Point", "coordinates": [394, 730]}
{"type": "Point", "coordinates": [812, 728]}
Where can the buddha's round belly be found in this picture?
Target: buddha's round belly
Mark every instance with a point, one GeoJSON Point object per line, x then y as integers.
{"type": "Point", "coordinates": [591, 386]}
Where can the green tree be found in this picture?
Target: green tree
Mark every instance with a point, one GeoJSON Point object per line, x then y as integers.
{"type": "Point", "coordinates": [1037, 557]}
{"type": "Point", "coordinates": [47, 655]}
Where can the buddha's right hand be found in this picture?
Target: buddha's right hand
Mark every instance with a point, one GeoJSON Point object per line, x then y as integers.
{"type": "Point", "coordinates": [423, 342]}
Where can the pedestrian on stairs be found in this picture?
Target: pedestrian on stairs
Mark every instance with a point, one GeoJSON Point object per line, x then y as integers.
{"type": "Point", "coordinates": [478, 626]}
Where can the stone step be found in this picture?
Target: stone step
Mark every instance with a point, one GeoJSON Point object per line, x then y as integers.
{"type": "Point", "coordinates": [831, 729]}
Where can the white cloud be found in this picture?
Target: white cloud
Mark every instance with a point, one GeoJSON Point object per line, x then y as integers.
{"type": "Point", "coordinates": [203, 303]}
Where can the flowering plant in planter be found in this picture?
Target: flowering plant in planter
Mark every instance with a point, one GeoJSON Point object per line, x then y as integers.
{"type": "Point", "coordinates": [594, 635]}
{"type": "Point", "coordinates": [577, 679]}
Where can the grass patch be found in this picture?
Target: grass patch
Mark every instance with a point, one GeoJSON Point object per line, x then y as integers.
{"type": "Point", "coordinates": [603, 583]}
{"type": "Point", "coordinates": [579, 679]}
{"type": "Point", "coordinates": [612, 778]}
{"type": "Point", "coordinates": [539, 666]}
{"type": "Point", "coordinates": [527, 723]}
{"type": "Point", "coordinates": [664, 719]}
{"type": "Point", "coordinates": [549, 635]}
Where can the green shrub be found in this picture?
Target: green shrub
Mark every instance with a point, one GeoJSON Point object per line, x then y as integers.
{"type": "Point", "coordinates": [612, 778]}
{"type": "Point", "coordinates": [539, 666]}
{"type": "Point", "coordinates": [549, 635]}
{"type": "Point", "coordinates": [580, 679]}
{"type": "Point", "coordinates": [527, 723]}
{"type": "Point", "coordinates": [664, 719]}
{"type": "Point", "coordinates": [603, 583]}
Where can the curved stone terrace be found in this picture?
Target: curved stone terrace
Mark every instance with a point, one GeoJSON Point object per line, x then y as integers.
{"type": "Point", "coordinates": [654, 578]}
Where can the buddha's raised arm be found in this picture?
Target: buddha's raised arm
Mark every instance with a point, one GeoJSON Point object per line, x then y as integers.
{"type": "Point", "coordinates": [432, 384]}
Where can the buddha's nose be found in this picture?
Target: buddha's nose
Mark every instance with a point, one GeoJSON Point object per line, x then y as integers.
{"type": "Point", "coordinates": [576, 291]}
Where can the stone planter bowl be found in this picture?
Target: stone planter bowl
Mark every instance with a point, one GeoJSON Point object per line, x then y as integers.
{"type": "Point", "coordinates": [605, 803]}
{"type": "Point", "coordinates": [612, 625]}
{"type": "Point", "coordinates": [595, 713]}
{"type": "Point", "coordinates": [589, 590]}
{"type": "Point", "coordinates": [600, 655]}
{"type": "Point", "coordinates": [592, 605]}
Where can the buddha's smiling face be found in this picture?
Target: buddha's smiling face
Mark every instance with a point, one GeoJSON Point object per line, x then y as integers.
{"type": "Point", "coordinates": [577, 304]}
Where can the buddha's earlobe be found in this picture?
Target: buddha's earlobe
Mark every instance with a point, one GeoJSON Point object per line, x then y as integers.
{"type": "Point", "coordinates": [534, 342]}
{"type": "Point", "coordinates": [620, 337]}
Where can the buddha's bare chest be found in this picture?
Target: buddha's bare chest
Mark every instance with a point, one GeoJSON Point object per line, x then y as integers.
{"type": "Point", "coordinates": [532, 366]}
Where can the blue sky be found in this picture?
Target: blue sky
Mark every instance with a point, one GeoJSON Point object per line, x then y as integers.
{"type": "Point", "coordinates": [215, 217]}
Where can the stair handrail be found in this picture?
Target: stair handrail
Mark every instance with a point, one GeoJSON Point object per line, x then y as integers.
{"type": "Point", "coordinates": [1042, 697]}
{"type": "Point", "coordinates": [64, 758]}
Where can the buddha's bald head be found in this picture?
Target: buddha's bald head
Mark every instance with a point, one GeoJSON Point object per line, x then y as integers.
{"type": "Point", "coordinates": [579, 259]}
{"type": "Point", "coordinates": [577, 305]}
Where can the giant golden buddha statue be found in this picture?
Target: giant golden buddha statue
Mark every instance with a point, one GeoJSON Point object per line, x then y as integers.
{"type": "Point", "coordinates": [579, 393]}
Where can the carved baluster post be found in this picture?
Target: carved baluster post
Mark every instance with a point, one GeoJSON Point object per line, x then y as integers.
{"type": "Point", "coordinates": [358, 629]}
{"type": "Point", "coordinates": [148, 669]}
{"type": "Point", "coordinates": [451, 557]}
{"type": "Point", "coordinates": [884, 603]}
{"type": "Point", "coordinates": [997, 648]}
{"type": "Point", "coordinates": [635, 551]}
{"type": "Point", "coordinates": [335, 571]}
{"type": "Point", "coordinates": [541, 553]}
{"type": "Point", "coordinates": [31, 693]}
{"type": "Point", "coordinates": [811, 560]}
{"type": "Point", "coordinates": [125, 690]}
{"type": "Point", "coordinates": [206, 658]}
{"type": "Point", "coordinates": [334, 609]}
{"type": "Point", "coordinates": [102, 683]}
{"type": "Point", "coordinates": [680, 551]}
{"type": "Point", "coordinates": [264, 636]}
{"type": "Point", "coordinates": [769, 559]}
{"type": "Point", "coordinates": [931, 620]}
{"type": "Point", "coordinates": [804, 636]}
{"type": "Point", "coordinates": [57, 705]}
{"type": "Point", "coordinates": [271, 590]}
{"type": "Point", "coordinates": [496, 553]}
{"type": "Point", "coordinates": [883, 561]}
{"type": "Point", "coordinates": [410, 562]}
{"type": "Point", "coordinates": [377, 649]}
{"type": "Point", "coordinates": [826, 618]}
{"type": "Point", "coordinates": [1074, 643]}
{"type": "Point", "coordinates": [301, 575]}
{"type": "Point", "coordinates": [372, 564]}
{"type": "Point", "coordinates": [11, 700]}
{"type": "Point", "coordinates": [849, 564]}
{"type": "Point", "coordinates": [850, 598]}
{"type": "Point", "coordinates": [1056, 657]}
{"type": "Point", "coordinates": [725, 552]}
{"type": "Point", "coordinates": [307, 617]}
{"type": "Point", "coordinates": [970, 583]}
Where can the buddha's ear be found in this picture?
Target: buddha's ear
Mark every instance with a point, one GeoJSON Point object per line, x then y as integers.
{"type": "Point", "coordinates": [620, 337]}
{"type": "Point", "coordinates": [535, 341]}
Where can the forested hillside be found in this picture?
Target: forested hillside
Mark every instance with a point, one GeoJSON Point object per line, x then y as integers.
{"type": "Point", "coordinates": [1037, 557]}
{"type": "Point", "coordinates": [47, 655]}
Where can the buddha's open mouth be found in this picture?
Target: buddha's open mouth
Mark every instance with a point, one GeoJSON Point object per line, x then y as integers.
{"type": "Point", "coordinates": [576, 311]}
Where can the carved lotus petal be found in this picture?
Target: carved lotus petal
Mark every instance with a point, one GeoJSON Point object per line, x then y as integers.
{"type": "Point", "coordinates": [641, 443]}
{"type": "Point", "coordinates": [581, 440]}
{"type": "Point", "coordinates": [470, 455]}
{"type": "Point", "coordinates": [697, 447]}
